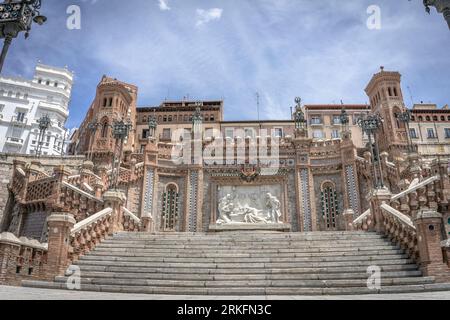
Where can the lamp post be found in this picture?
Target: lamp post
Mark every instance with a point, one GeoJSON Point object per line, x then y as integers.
{"type": "Point", "coordinates": [345, 120]}
{"type": "Point", "coordinates": [44, 124]}
{"type": "Point", "coordinates": [370, 125]}
{"type": "Point", "coordinates": [405, 117]}
{"type": "Point", "coordinates": [442, 6]}
{"type": "Point", "coordinates": [92, 127]}
{"type": "Point", "coordinates": [299, 116]}
{"type": "Point", "coordinates": [15, 17]}
{"type": "Point", "coordinates": [121, 131]}
{"type": "Point", "coordinates": [152, 125]}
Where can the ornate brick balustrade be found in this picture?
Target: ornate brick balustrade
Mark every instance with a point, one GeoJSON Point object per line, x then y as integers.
{"type": "Point", "coordinates": [21, 259]}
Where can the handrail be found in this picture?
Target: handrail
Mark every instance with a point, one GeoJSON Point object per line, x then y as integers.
{"type": "Point", "coordinates": [416, 187]}
{"type": "Point", "coordinates": [87, 195]}
{"type": "Point", "coordinates": [362, 216]}
{"type": "Point", "coordinates": [90, 220]}
{"type": "Point", "coordinates": [400, 216]}
{"type": "Point", "coordinates": [131, 215]}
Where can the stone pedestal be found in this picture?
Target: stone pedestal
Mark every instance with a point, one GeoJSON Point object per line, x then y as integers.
{"type": "Point", "coordinates": [147, 224]}
{"type": "Point", "coordinates": [429, 233]}
{"type": "Point", "coordinates": [349, 216]}
{"type": "Point", "coordinates": [115, 199]}
{"type": "Point", "coordinates": [59, 226]}
{"type": "Point", "coordinates": [377, 198]}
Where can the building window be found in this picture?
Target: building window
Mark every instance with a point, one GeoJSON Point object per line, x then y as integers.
{"type": "Point", "coordinates": [335, 134]}
{"type": "Point", "coordinates": [47, 83]}
{"type": "Point", "coordinates": [336, 120]}
{"type": "Point", "coordinates": [390, 92]}
{"type": "Point", "coordinates": [316, 120]}
{"type": "Point", "coordinates": [447, 133]}
{"type": "Point", "coordinates": [249, 132]}
{"type": "Point", "coordinates": [56, 84]}
{"type": "Point", "coordinates": [413, 133]}
{"type": "Point", "coordinates": [395, 92]}
{"type": "Point", "coordinates": [166, 135]}
{"type": "Point", "coordinates": [229, 133]}
{"type": "Point", "coordinates": [278, 132]}
{"type": "Point", "coordinates": [318, 134]}
{"type": "Point", "coordinates": [145, 133]}
{"type": "Point", "coordinates": [170, 208]}
{"type": "Point", "coordinates": [212, 118]}
{"type": "Point", "coordinates": [105, 130]}
{"type": "Point", "coordinates": [329, 205]}
{"type": "Point", "coordinates": [110, 102]}
{"type": "Point", "coordinates": [431, 134]}
{"type": "Point", "coordinates": [20, 116]}
{"type": "Point", "coordinates": [428, 118]}
{"type": "Point", "coordinates": [40, 81]}
{"type": "Point", "coordinates": [105, 101]}
{"type": "Point", "coordinates": [420, 118]}
{"type": "Point", "coordinates": [2, 106]}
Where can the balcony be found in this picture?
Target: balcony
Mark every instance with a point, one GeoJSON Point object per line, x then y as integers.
{"type": "Point", "coordinates": [316, 122]}
{"type": "Point", "coordinates": [54, 108]}
{"type": "Point", "coordinates": [14, 141]}
{"type": "Point", "coordinates": [165, 137]}
{"type": "Point", "coordinates": [19, 120]}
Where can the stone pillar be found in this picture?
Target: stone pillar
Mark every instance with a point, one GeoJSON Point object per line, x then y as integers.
{"type": "Point", "coordinates": [377, 198]}
{"type": "Point", "coordinates": [86, 170]}
{"type": "Point", "coordinates": [115, 200]}
{"type": "Point", "coordinates": [98, 188]}
{"type": "Point", "coordinates": [59, 226]}
{"type": "Point", "coordinates": [349, 216]}
{"type": "Point", "coordinates": [429, 238]}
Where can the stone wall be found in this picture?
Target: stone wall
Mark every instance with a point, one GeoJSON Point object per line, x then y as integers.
{"type": "Point", "coordinates": [47, 162]}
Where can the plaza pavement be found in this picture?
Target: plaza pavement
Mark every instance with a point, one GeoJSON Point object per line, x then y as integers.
{"type": "Point", "coordinates": [21, 293]}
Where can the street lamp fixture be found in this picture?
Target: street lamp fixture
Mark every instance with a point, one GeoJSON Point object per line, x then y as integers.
{"type": "Point", "coordinates": [442, 6]}
{"type": "Point", "coordinates": [299, 116]}
{"type": "Point", "coordinates": [152, 125]}
{"type": "Point", "coordinates": [121, 130]}
{"type": "Point", "coordinates": [44, 124]}
{"type": "Point", "coordinates": [370, 125]}
{"type": "Point", "coordinates": [405, 117]}
{"type": "Point", "coordinates": [15, 17]}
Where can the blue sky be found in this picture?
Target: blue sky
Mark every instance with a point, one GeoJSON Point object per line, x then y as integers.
{"type": "Point", "coordinates": [320, 50]}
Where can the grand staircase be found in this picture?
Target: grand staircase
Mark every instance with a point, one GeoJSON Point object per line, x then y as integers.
{"type": "Point", "coordinates": [262, 263]}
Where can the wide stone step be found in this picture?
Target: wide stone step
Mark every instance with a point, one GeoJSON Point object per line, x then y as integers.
{"type": "Point", "coordinates": [241, 234]}
{"type": "Point", "coordinates": [184, 254]}
{"type": "Point", "coordinates": [243, 291]}
{"type": "Point", "coordinates": [251, 283]}
{"type": "Point", "coordinates": [243, 260]}
{"type": "Point", "coordinates": [208, 251]}
{"type": "Point", "coordinates": [255, 246]}
{"type": "Point", "coordinates": [244, 271]}
{"type": "Point", "coordinates": [237, 265]}
{"type": "Point", "coordinates": [232, 277]}
{"type": "Point", "coordinates": [245, 239]}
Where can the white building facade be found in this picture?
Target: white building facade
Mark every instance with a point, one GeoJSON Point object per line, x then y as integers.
{"type": "Point", "coordinates": [23, 102]}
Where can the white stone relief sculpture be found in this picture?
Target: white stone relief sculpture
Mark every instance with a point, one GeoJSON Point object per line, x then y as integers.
{"type": "Point", "coordinates": [231, 212]}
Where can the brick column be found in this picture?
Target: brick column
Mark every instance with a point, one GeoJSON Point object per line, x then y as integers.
{"type": "Point", "coordinates": [377, 198]}
{"type": "Point", "coordinates": [429, 237]}
{"type": "Point", "coordinates": [115, 200]}
{"type": "Point", "coordinates": [446, 250]}
{"type": "Point", "coordinates": [59, 226]}
{"type": "Point", "coordinates": [349, 216]}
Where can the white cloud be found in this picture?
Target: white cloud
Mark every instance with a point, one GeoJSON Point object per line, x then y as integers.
{"type": "Point", "coordinates": [164, 5]}
{"type": "Point", "coordinates": [205, 16]}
